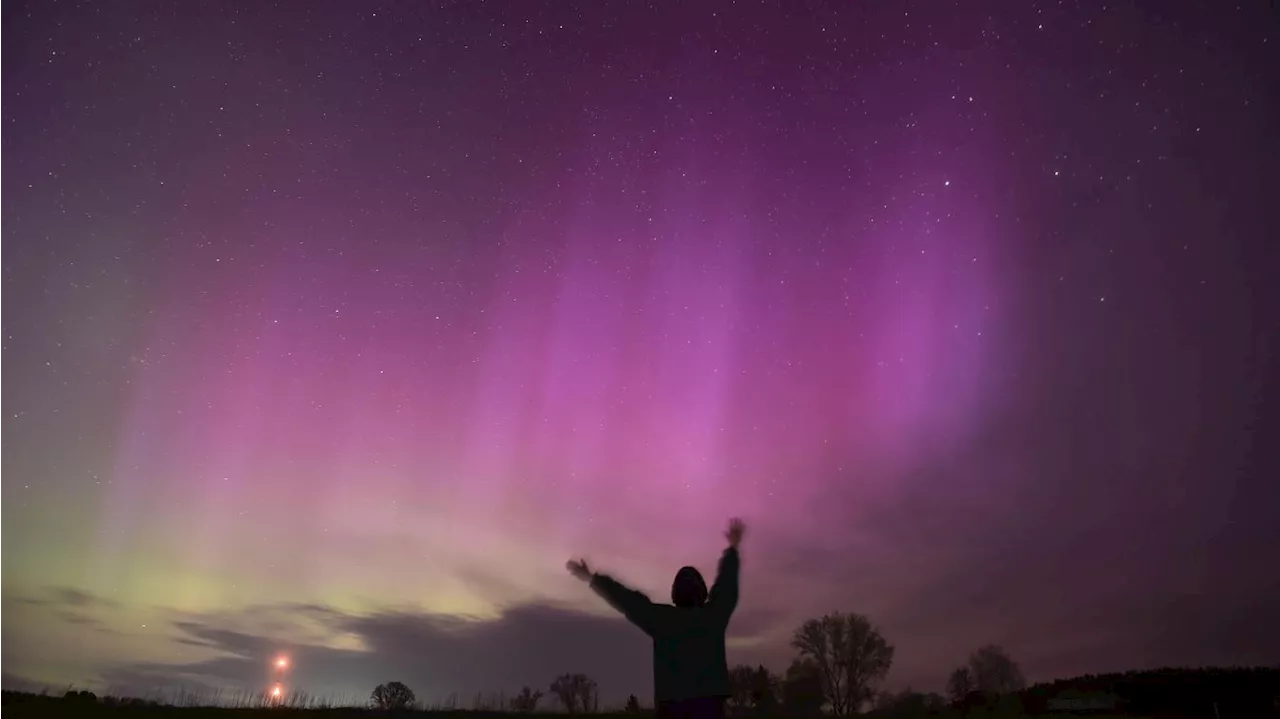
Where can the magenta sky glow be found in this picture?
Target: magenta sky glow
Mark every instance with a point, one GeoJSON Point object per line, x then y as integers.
{"type": "Point", "coordinates": [335, 330]}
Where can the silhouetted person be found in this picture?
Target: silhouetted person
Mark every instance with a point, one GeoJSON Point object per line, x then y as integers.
{"type": "Point", "coordinates": [690, 674]}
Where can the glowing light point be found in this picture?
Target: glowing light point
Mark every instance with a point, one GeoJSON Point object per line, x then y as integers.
{"type": "Point", "coordinates": [282, 663]}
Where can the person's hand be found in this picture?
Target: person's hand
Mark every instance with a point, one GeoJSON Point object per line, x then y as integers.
{"type": "Point", "coordinates": [736, 529]}
{"type": "Point", "coordinates": [579, 569]}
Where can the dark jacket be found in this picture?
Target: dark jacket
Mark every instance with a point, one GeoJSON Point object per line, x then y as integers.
{"type": "Point", "coordinates": [688, 642]}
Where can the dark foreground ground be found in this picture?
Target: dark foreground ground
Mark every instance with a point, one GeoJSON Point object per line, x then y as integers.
{"type": "Point", "coordinates": [17, 705]}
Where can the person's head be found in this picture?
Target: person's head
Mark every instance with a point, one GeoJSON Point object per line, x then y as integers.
{"type": "Point", "coordinates": [688, 589]}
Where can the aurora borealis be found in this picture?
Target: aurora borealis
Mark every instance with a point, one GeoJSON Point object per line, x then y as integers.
{"type": "Point", "coordinates": [336, 328]}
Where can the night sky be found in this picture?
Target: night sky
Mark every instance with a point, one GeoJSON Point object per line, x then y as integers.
{"type": "Point", "coordinates": [336, 328]}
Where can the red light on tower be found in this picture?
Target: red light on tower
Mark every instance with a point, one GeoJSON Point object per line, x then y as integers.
{"type": "Point", "coordinates": [279, 667]}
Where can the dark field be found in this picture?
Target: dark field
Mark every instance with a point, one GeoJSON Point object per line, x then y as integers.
{"type": "Point", "coordinates": [16, 704]}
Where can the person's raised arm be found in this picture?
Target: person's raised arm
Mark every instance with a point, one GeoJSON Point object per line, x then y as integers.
{"type": "Point", "coordinates": [633, 605]}
{"type": "Point", "coordinates": [724, 593]}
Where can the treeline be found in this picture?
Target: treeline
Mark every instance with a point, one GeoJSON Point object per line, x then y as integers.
{"type": "Point", "coordinates": [841, 661]}
{"type": "Point", "coordinates": [842, 658]}
{"type": "Point", "coordinates": [1174, 691]}
{"type": "Point", "coordinates": [799, 692]}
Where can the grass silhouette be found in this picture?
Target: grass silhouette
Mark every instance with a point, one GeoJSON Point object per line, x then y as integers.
{"type": "Point", "coordinates": [182, 704]}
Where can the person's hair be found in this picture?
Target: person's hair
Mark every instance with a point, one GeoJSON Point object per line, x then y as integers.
{"type": "Point", "coordinates": [688, 589]}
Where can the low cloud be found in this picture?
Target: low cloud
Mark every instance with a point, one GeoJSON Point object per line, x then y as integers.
{"type": "Point", "coordinates": [19, 683]}
{"type": "Point", "coordinates": [436, 655]}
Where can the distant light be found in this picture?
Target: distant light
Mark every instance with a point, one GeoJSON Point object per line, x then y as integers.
{"type": "Point", "coordinates": [282, 663]}
{"type": "Point", "coordinates": [277, 691]}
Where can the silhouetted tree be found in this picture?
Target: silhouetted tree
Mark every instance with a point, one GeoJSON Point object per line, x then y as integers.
{"type": "Point", "coordinates": [802, 694]}
{"type": "Point", "coordinates": [973, 701]}
{"type": "Point", "coordinates": [392, 695]}
{"type": "Point", "coordinates": [959, 684]}
{"type": "Point", "coordinates": [993, 671]}
{"type": "Point", "coordinates": [577, 692]}
{"type": "Point", "coordinates": [130, 703]}
{"type": "Point", "coordinates": [741, 678]}
{"type": "Point", "coordinates": [851, 654]}
{"type": "Point", "coordinates": [1008, 705]}
{"type": "Point", "coordinates": [764, 691]}
{"type": "Point", "coordinates": [80, 697]}
{"type": "Point", "coordinates": [526, 701]}
{"type": "Point", "coordinates": [752, 690]}
{"type": "Point", "coordinates": [565, 691]}
{"type": "Point", "coordinates": [908, 703]}
{"type": "Point", "coordinates": [1180, 691]}
{"type": "Point", "coordinates": [633, 705]}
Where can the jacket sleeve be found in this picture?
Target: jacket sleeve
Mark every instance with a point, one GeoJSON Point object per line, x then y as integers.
{"type": "Point", "coordinates": [635, 606]}
{"type": "Point", "coordinates": [724, 593]}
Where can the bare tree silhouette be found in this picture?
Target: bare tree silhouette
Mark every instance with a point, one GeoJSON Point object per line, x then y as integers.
{"type": "Point", "coordinates": [753, 690]}
{"type": "Point", "coordinates": [392, 695]}
{"type": "Point", "coordinates": [994, 671]}
{"type": "Point", "coordinates": [802, 694]}
{"type": "Point", "coordinates": [577, 692]}
{"type": "Point", "coordinates": [741, 678]}
{"type": "Point", "coordinates": [851, 654]}
{"type": "Point", "coordinates": [526, 701]}
{"type": "Point", "coordinates": [959, 684]}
